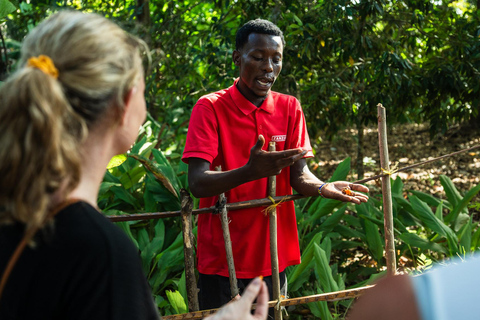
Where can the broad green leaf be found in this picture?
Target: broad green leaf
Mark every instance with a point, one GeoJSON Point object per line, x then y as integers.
{"type": "Point", "coordinates": [130, 178]}
{"type": "Point", "coordinates": [116, 160]}
{"type": "Point", "coordinates": [323, 270]}
{"type": "Point", "coordinates": [182, 288]}
{"type": "Point", "coordinates": [416, 241]}
{"type": "Point", "coordinates": [465, 234]}
{"type": "Point", "coordinates": [341, 171]}
{"type": "Point", "coordinates": [462, 204]}
{"type": "Point", "coordinates": [439, 211]}
{"type": "Point", "coordinates": [461, 221]}
{"type": "Point", "coordinates": [425, 214]}
{"type": "Point", "coordinates": [319, 208]}
{"type": "Point", "coordinates": [397, 186]}
{"type": "Point", "coordinates": [156, 170]}
{"type": "Point", "coordinates": [176, 301]}
{"type": "Point", "coordinates": [430, 200]}
{"type": "Point", "coordinates": [453, 196]}
{"type": "Point", "coordinates": [122, 194]}
{"type": "Point", "coordinates": [6, 7]}
{"type": "Point", "coordinates": [326, 245]}
{"type": "Point", "coordinates": [300, 23]}
{"type": "Point", "coordinates": [307, 256]}
{"type": "Point", "coordinates": [333, 220]}
{"type": "Point", "coordinates": [374, 239]}
{"type": "Point", "coordinates": [476, 238]}
{"type": "Point", "coordinates": [320, 309]}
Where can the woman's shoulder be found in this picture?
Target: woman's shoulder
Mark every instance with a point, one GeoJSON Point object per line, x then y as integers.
{"type": "Point", "coordinates": [82, 226]}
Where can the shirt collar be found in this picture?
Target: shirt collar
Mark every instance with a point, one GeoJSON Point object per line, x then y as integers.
{"type": "Point", "coordinates": [246, 106]}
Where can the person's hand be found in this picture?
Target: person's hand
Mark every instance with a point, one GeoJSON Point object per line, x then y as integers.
{"type": "Point", "coordinates": [268, 163]}
{"type": "Point", "coordinates": [240, 309]}
{"type": "Point", "coordinates": [345, 191]}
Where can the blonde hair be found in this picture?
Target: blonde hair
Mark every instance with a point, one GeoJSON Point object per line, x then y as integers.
{"type": "Point", "coordinates": [43, 120]}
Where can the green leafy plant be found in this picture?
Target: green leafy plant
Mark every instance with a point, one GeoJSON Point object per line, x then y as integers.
{"type": "Point", "coordinates": [343, 245]}
{"type": "Point", "coordinates": [144, 181]}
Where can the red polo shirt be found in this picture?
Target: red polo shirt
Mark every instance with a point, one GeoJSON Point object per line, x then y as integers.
{"type": "Point", "coordinates": [223, 128]}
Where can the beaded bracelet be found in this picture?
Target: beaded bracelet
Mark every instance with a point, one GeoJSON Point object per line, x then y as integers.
{"type": "Point", "coordinates": [320, 190]}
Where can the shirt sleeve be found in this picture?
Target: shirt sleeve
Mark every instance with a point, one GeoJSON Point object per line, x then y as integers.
{"type": "Point", "coordinates": [202, 135]}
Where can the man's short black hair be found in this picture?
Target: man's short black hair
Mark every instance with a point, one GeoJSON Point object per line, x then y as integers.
{"type": "Point", "coordinates": [257, 26]}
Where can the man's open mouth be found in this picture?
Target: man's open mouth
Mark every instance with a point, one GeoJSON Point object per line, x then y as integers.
{"type": "Point", "coordinates": [265, 82]}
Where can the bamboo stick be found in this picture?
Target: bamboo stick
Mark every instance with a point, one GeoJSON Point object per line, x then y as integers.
{"type": "Point", "coordinates": [272, 190]}
{"type": "Point", "coordinates": [387, 193]}
{"type": "Point", "coordinates": [228, 243]}
{"type": "Point", "coordinates": [188, 250]}
{"type": "Point", "coordinates": [330, 296]}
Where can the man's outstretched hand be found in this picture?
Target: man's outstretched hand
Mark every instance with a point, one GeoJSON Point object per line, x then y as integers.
{"type": "Point", "coordinates": [345, 191]}
{"type": "Point", "coordinates": [240, 309]}
{"type": "Point", "coordinates": [268, 163]}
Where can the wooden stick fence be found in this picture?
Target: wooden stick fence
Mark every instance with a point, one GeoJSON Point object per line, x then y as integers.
{"type": "Point", "coordinates": [264, 201]}
{"type": "Point", "coordinates": [228, 243]}
{"type": "Point", "coordinates": [330, 297]}
{"type": "Point", "coordinates": [387, 193]}
{"type": "Point", "coordinates": [188, 250]}
{"type": "Point", "coordinates": [272, 213]}
{"type": "Point", "coordinates": [186, 213]}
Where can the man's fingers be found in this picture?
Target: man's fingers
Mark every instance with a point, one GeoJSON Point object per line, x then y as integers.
{"type": "Point", "coordinates": [252, 290]}
{"type": "Point", "coordinates": [261, 309]}
{"type": "Point", "coordinates": [359, 187]}
{"type": "Point", "coordinates": [257, 147]}
{"type": "Point", "coordinates": [286, 154]}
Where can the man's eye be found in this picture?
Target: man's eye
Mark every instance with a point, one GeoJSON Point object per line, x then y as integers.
{"type": "Point", "coordinates": [277, 61]}
{"type": "Point", "coordinates": [258, 58]}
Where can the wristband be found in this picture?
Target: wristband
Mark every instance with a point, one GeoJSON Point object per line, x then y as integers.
{"type": "Point", "coordinates": [320, 190]}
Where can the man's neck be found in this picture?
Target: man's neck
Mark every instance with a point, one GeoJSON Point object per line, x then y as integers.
{"type": "Point", "coordinates": [256, 101]}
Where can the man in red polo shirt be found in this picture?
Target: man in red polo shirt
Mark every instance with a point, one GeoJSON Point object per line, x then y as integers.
{"type": "Point", "coordinates": [231, 128]}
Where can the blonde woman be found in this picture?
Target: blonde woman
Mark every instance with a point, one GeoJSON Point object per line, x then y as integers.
{"type": "Point", "coordinates": [76, 100]}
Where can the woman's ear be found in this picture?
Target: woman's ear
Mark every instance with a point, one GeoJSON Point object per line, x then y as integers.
{"type": "Point", "coordinates": [127, 102]}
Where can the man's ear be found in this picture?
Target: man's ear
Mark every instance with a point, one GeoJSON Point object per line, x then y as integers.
{"type": "Point", "coordinates": [236, 57]}
{"type": "Point", "coordinates": [126, 104]}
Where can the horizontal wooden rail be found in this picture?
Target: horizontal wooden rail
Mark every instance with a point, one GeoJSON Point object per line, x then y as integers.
{"type": "Point", "coordinates": [230, 207]}
{"type": "Point", "coordinates": [330, 296]}
{"type": "Point", "coordinates": [265, 201]}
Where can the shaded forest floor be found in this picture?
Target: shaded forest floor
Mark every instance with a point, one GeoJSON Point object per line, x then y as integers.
{"type": "Point", "coordinates": [409, 144]}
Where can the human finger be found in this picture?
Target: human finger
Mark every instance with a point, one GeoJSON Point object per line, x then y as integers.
{"type": "Point", "coordinates": [261, 309]}
{"type": "Point", "coordinates": [352, 196]}
{"type": "Point", "coordinates": [359, 187]}
{"type": "Point", "coordinates": [286, 154]}
{"type": "Point", "coordinates": [259, 144]}
{"type": "Point", "coordinates": [252, 290]}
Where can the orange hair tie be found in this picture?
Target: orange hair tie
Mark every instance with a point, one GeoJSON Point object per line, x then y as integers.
{"type": "Point", "coordinates": [45, 64]}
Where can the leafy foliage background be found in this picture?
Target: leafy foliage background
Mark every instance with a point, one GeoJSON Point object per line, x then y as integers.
{"type": "Point", "coordinates": [419, 58]}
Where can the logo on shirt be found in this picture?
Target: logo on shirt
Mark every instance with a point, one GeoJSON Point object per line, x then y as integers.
{"type": "Point", "coordinates": [279, 138]}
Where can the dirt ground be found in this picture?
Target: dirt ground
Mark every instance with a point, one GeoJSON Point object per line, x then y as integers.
{"type": "Point", "coordinates": [407, 145]}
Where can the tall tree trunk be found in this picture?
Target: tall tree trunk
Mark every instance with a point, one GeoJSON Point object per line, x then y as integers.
{"type": "Point", "coordinates": [143, 12]}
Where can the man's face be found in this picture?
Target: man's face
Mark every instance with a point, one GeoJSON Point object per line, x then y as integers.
{"type": "Point", "coordinates": [260, 63]}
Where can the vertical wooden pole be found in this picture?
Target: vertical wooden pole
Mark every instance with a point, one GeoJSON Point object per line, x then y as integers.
{"type": "Point", "coordinates": [188, 250]}
{"type": "Point", "coordinates": [387, 193]}
{"type": "Point", "coordinates": [228, 243]}
{"type": "Point", "coordinates": [272, 190]}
